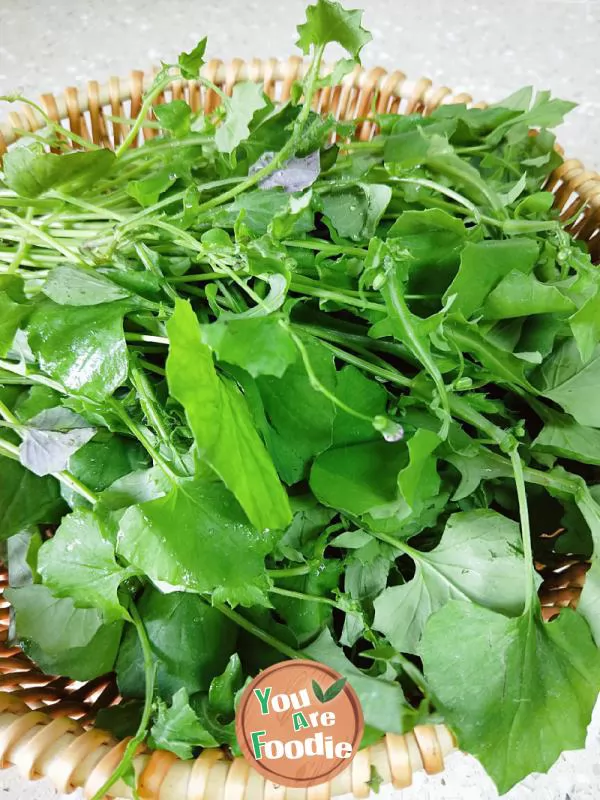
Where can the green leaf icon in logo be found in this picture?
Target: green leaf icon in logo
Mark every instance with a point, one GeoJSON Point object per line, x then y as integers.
{"type": "Point", "coordinates": [328, 694]}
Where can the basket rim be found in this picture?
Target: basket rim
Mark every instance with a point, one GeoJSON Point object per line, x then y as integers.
{"type": "Point", "coordinates": [39, 744]}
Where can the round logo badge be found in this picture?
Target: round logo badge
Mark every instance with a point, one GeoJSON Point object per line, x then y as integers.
{"type": "Point", "coordinates": [299, 723]}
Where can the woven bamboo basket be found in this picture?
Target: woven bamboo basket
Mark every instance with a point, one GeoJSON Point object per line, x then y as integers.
{"type": "Point", "coordinates": [46, 722]}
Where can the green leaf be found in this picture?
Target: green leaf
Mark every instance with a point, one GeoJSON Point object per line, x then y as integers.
{"type": "Point", "coordinates": [359, 479]}
{"type": "Point", "coordinates": [489, 572]}
{"type": "Point", "coordinates": [247, 98]}
{"type": "Point", "coordinates": [79, 562]}
{"type": "Point", "coordinates": [260, 207]}
{"type": "Point", "coordinates": [135, 487]}
{"type": "Point", "coordinates": [101, 462]}
{"type": "Point", "coordinates": [122, 720]}
{"type": "Point", "coordinates": [21, 556]}
{"type": "Point", "coordinates": [419, 479]}
{"type": "Point", "coordinates": [221, 423]}
{"type": "Point", "coordinates": [328, 21]}
{"type": "Point", "coordinates": [407, 149]}
{"type": "Point", "coordinates": [355, 211]}
{"type": "Point", "coordinates": [197, 539]}
{"type": "Point", "coordinates": [310, 519]}
{"type": "Point", "coordinates": [147, 191]}
{"type": "Point", "coordinates": [297, 214]}
{"type": "Point", "coordinates": [51, 438]}
{"type": "Point", "coordinates": [224, 688]}
{"type": "Point", "coordinates": [307, 619]}
{"type": "Point", "coordinates": [295, 174]}
{"type": "Point", "coordinates": [585, 324]}
{"type": "Point", "coordinates": [223, 733]}
{"type": "Point", "coordinates": [191, 643]}
{"type": "Point", "coordinates": [502, 365]}
{"type": "Point", "coordinates": [434, 240]}
{"type": "Point", "coordinates": [482, 267]}
{"type": "Point", "coordinates": [30, 174]}
{"type": "Point", "coordinates": [174, 116]}
{"type": "Point", "coordinates": [573, 384]}
{"type": "Point", "coordinates": [63, 639]}
{"type": "Point", "coordinates": [589, 600]}
{"type": "Point", "coordinates": [190, 63]}
{"type": "Point", "coordinates": [363, 395]}
{"type": "Point", "coordinates": [545, 112]}
{"type": "Point", "coordinates": [26, 499]}
{"type": "Point", "coordinates": [13, 310]}
{"type": "Point", "coordinates": [522, 675]}
{"type": "Point", "coordinates": [563, 436]}
{"type": "Point", "coordinates": [341, 68]}
{"type": "Point", "coordinates": [178, 729]}
{"type": "Point", "coordinates": [520, 295]}
{"type": "Point", "coordinates": [475, 467]}
{"type": "Point", "coordinates": [300, 417]}
{"type": "Point", "coordinates": [69, 286]}
{"type": "Point", "coordinates": [82, 347]}
{"type": "Point", "coordinates": [262, 345]}
{"type": "Point", "coordinates": [365, 577]}
{"type": "Point", "coordinates": [35, 400]}
{"type": "Point", "coordinates": [382, 702]}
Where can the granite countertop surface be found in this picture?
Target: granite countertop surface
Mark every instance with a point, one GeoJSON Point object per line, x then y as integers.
{"type": "Point", "coordinates": [486, 48]}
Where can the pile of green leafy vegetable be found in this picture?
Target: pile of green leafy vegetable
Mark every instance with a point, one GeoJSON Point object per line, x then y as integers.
{"type": "Point", "coordinates": [275, 398]}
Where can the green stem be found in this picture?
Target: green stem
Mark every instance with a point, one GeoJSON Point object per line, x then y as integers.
{"type": "Point", "coordinates": [149, 407]}
{"type": "Point", "coordinates": [386, 373]}
{"type": "Point", "coordinates": [33, 230]}
{"type": "Point", "coordinates": [300, 285]}
{"type": "Point", "coordinates": [33, 377]}
{"type": "Point", "coordinates": [192, 278]}
{"type": "Point", "coordinates": [160, 84]}
{"type": "Point", "coordinates": [439, 187]}
{"type": "Point", "coordinates": [150, 148]}
{"type": "Point", "coordinates": [289, 572]}
{"type": "Point", "coordinates": [150, 677]}
{"type": "Point", "coordinates": [404, 331]}
{"type": "Point", "coordinates": [256, 631]}
{"type": "Point", "coordinates": [140, 435]}
{"type": "Point", "coordinates": [23, 246]}
{"type": "Point", "coordinates": [326, 247]}
{"type": "Point", "coordinates": [8, 415]}
{"type": "Point", "coordinates": [319, 387]}
{"type": "Point", "coordinates": [525, 529]}
{"type": "Point", "coordinates": [55, 126]}
{"type": "Point", "coordinates": [144, 254]}
{"type": "Point", "coordinates": [302, 596]}
{"type": "Point", "coordinates": [66, 478]}
{"type": "Point", "coordinates": [98, 211]}
{"type": "Point", "coordinates": [152, 367]}
{"type": "Point", "coordinates": [146, 337]}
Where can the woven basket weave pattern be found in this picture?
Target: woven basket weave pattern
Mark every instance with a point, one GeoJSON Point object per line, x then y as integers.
{"type": "Point", "coordinates": [58, 741]}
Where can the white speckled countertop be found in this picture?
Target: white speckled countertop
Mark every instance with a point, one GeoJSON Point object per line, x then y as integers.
{"type": "Point", "coordinates": [488, 48]}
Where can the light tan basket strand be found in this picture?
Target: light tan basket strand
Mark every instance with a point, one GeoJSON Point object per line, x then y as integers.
{"type": "Point", "coordinates": [136, 80]}
{"type": "Point", "coordinates": [155, 771]}
{"type": "Point", "coordinates": [320, 792]}
{"type": "Point", "coordinates": [114, 90]}
{"type": "Point", "coordinates": [40, 746]}
{"type": "Point", "coordinates": [361, 773]}
{"type": "Point", "coordinates": [63, 767]}
{"type": "Point", "coordinates": [198, 780]}
{"type": "Point", "coordinates": [356, 92]}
